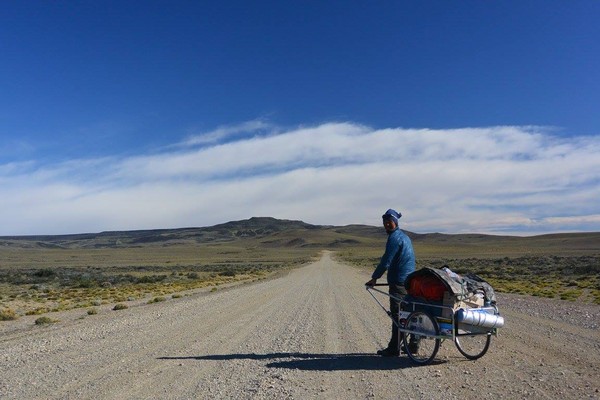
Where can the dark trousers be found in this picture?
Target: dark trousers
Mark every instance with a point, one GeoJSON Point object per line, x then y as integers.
{"type": "Point", "coordinates": [399, 292]}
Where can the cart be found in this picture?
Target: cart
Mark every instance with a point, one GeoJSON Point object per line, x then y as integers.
{"type": "Point", "coordinates": [430, 323]}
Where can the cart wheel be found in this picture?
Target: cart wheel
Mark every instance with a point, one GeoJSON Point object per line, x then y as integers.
{"type": "Point", "coordinates": [425, 329]}
{"type": "Point", "coordinates": [472, 345]}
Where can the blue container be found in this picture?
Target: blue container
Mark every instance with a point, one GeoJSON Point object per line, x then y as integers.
{"type": "Point", "coordinates": [445, 329]}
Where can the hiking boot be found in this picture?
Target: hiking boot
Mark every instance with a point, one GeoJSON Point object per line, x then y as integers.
{"type": "Point", "coordinates": [413, 347]}
{"type": "Point", "coordinates": [387, 352]}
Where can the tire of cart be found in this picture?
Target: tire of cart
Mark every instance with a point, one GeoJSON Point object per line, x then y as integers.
{"type": "Point", "coordinates": [421, 344]}
{"type": "Point", "coordinates": [472, 345]}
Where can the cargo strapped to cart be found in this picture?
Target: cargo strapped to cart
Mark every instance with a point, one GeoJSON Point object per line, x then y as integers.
{"type": "Point", "coordinates": [435, 285]}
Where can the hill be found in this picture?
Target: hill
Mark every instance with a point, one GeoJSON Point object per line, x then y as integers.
{"type": "Point", "coordinates": [269, 232]}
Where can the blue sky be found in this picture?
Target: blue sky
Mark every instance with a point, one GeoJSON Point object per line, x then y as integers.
{"type": "Point", "coordinates": [465, 116]}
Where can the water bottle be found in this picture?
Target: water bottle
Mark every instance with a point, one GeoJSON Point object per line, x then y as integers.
{"type": "Point", "coordinates": [477, 317]}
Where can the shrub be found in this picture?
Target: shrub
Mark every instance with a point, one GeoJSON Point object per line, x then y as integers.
{"type": "Point", "coordinates": [37, 311]}
{"type": "Point", "coordinates": [86, 283]}
{"type": "Point", "coordinates": [151, 279]}
{"type": "Point", "coordinates": [571, 295]}
{"type": "Point", "coordinates": [120, 306]}
{"type": "Point", "coordinates": [45, 320]}
{"type": "Point", "coordinates": [228, 272]}
{"type": "Point", "coordinates": [92, 311]}
{"type": "Point", "coordinates": [45, 273]}
{"type": "Point", "coordinates": [8, 315]}
{"type": "Point", "coordinates": [157, 300]}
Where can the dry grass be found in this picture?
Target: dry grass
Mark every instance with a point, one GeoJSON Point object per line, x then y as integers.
{"type": "Point", "coordinates": [47, 280]}
{"type": "Point", "coordinates": [8, 314]}
{"type": "Point", "coordinates": [45, 321]}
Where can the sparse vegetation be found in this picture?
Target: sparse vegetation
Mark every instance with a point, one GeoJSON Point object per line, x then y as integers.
{"type": "Point", "coordinates": [68, 288]}
{"type": "Point", "coordinates": [53, 273]}
{"type": "Point", "coordinates": [8, 314]}
{"type": "Point", "coordinates": [120, 306]}
{"type": "Point", "coordinates": [92, 311]}
{"type": "Point", "coordinates": [45, 320]}
{"type": "Point", "coordinates": [157, 299]}
{"type": "Point", "coordinates": [37, 311]}
{"type": "Point", "coordinates": [43, 274]}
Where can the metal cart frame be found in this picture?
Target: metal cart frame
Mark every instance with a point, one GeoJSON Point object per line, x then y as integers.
{"type": "Point", "coordinates": [418, 325]}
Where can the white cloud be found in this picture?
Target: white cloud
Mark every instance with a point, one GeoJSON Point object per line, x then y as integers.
{"type": "Point", "coordinates": [494, 180]}
{"type": "Point", "coordinates": [225, 133]}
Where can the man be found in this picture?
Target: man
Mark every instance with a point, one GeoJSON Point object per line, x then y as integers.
{"type": "Point", "coordinates": [399, 261]}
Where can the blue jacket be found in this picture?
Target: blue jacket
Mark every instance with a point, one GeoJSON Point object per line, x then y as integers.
{"type": "Point", "coordinates": [398, 259]}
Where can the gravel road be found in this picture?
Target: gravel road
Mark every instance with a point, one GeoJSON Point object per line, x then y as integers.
{"type": "Point", "coordinates": [309, 334]}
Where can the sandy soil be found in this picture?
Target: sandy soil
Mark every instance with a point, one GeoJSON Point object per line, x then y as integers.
{"type": "Point", "coordinates": [309, 334]}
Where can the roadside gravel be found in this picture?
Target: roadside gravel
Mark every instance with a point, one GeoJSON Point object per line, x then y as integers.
{"type": "Point", "coordinates": [577, 314]}
{"type": "Point", "coordinates": [306, 335]}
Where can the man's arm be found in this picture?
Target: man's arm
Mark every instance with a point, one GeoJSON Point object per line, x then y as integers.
{"type": "Point", "coordinates": [391, 248]}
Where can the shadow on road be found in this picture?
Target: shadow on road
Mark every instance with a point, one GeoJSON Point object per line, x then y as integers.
{"type": "Point", "coordinates": [314, 362]}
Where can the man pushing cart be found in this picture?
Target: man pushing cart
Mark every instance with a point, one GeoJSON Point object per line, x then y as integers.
{"type": "Point", "coordinates": [431, 305]}
{"type": "Point", "coordinates": [399, 261]}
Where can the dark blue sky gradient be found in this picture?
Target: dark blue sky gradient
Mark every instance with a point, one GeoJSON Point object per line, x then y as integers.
{"type": "Point", "coordinates": [89, 78]}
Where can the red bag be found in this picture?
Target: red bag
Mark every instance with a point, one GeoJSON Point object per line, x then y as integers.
{"type": "Point", "coordinates": [428, 287]}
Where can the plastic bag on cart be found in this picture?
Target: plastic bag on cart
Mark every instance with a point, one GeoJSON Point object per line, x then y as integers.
{"type": "Point", "coordinates": [475, 284]}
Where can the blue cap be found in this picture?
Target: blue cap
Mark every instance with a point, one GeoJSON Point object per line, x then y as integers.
{"type": "Point", "coordinates": [392, 214]}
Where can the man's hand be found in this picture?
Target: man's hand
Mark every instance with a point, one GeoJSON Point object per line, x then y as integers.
{"type": "Point", "coordinates": [372, 282]}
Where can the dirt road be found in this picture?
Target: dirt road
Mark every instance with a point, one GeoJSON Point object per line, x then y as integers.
{"type": "Point", "coordinates": [309, 334]}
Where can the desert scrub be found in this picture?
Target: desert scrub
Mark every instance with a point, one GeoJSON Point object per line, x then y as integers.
{"type": "Point", "coordinates": [120, 306]}
{"type": "Point", "coordinates": [8, 314]}
{"type": "Point", "coordinates": [571, 295]}
{"type": "Point", "coordinates": [45, 320]}
{"type": "Point", "coordinates": [37, 311]}
{"type": "Point", "coordinates": [92, 311]}
{"type": "Point", "coordinates": [157, 299]}
{"type": "Point", "coordinates": [42, 290]}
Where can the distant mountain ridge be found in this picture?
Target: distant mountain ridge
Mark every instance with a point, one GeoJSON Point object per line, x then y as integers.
{"type": "Point", "coordinates": [254, 227]}
{"type": "Point", "coordinates": [272, 232]}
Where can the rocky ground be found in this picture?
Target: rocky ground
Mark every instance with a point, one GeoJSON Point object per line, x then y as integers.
{"type": "Point", "coordinates": [309, 334]}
